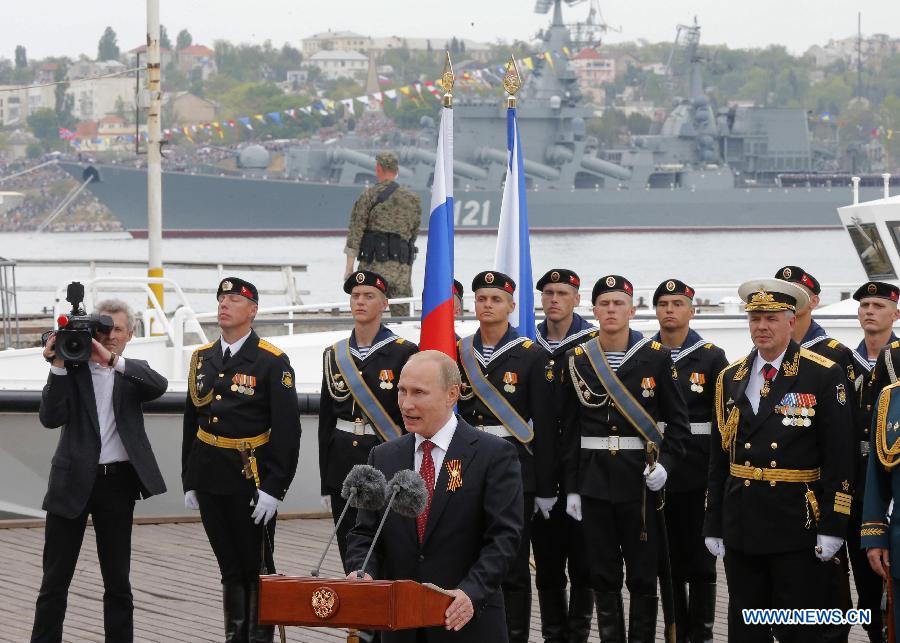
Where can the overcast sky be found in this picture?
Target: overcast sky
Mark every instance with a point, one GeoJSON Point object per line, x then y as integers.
{"type": "Point", "coordinates": [64, 27]}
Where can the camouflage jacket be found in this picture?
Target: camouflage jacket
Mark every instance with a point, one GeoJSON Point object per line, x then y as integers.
{"type": "Point", "coordinates": [400, 214]}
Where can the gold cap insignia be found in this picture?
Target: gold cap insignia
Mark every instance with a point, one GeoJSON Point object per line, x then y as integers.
{"type": "Point", "coordinates": [227, 285]}
{"type": "Point", "coordinates": [670, 286]}
{"type": "Point", "coordinates": [489, 278]}
{"type": "Point", "coordinates": [872, 289]}
{"type": "Point", "coordinates": [786, 273]}
{"type": "Point", "coordinates": [360, 277]}
{"type": "Point", "coordinates": [610, 281]}
{"type": "Point", "coordinates": [554, 276]}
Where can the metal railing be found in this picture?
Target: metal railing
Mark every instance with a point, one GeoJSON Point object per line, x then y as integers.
{"type": "Point", "coordinates": [9, 308]}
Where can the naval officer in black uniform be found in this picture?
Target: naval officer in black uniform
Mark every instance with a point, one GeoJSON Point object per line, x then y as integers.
{"type": "Point", "coordinates": [610, 441]}
{"type": "Point", "coordinates": [698, 363]}
{"type": "Point", "coordinates": [781, 467]}
{"type": "Point", "coordinates": [505, 392]}
{"type": "Point", "coordinates": [239, 451]}
{"type": "Point", "coordinates": [877, 358]}
{"type": "Point", "coordinates": [557, 539]}
{"type": "Point", "coordinates": [350, 422]}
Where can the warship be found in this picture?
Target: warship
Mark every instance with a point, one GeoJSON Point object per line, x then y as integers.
{"type": "Point", "coordinates": [702, 168]}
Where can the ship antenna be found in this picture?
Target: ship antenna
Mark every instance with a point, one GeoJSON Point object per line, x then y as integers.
{"type": "Point", "coordinates": [447, 79]}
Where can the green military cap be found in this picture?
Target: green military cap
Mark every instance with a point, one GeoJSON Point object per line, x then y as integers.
{"type": "Point", "coordinates": [387, 161]}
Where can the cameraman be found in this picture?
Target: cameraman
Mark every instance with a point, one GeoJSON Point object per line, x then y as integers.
{"type": "Point", "coordinates": [102, 464]}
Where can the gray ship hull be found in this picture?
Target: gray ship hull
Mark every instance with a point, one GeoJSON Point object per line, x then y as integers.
{"type": "Point", "coordinates": [206, 205]}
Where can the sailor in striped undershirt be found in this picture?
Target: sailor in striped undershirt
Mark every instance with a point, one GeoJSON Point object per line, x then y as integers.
{"type": "Point", "coordinates": [606, 474]}
{"type": "Point", "coordinates": [698, 363]}
{"type": "Point", "coordinates": [557, 540]}
{"type": "Point", "coordinates": [515, 367]}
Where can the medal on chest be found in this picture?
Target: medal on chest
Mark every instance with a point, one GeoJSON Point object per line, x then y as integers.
{"type": "Point", "coordinates": [697, 382]}
{"type": "Point", "coordinates": [387, 379]}
{"type": "Point", "coordinates": [245, 384]}
{"type": "Point", "coordinates": [510, 380]}
{"type": "Point", "coordinates": [648, 384]}
{"type": "Point", "coordinates": [798, 409]}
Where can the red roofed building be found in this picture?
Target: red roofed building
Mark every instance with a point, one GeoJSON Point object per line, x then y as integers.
{"type": "Point", "coordinates": [197, 59]}
{"type": "Point", "coordinates": [593, 70]}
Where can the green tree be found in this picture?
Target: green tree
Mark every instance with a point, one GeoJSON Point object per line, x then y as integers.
{"type": "Point", "coordinates": [63, 102]}
{"type": "Point", "coordinates": [45, 126]}
{"type": "Point", "coordinates": [183, 40]}
{"type": "Point", "coordinates": [164, 41]}
{"type": "Point", "coordinates": [21, 57]}
{"type": "Point", "coordinates": [108, 47]}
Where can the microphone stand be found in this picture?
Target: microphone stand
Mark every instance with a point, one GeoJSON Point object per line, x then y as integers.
{"type": "Point", "coordinates": [361, 572]}
{"type": "Point", "coordinates": [315, 572]}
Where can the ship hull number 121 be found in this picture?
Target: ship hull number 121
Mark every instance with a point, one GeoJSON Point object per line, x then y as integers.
{"type": "Point", "coordinates": [471, 213]}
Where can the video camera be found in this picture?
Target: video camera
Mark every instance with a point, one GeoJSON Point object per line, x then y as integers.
{"type": "Point", "coordinates": [78, 329]}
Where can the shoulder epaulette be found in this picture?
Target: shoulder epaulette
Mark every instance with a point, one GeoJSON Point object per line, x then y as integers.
{"type": "Point", "coordinates": [266, 346]}
{"type": "Point", "coordinates": [656, 346]}
{"type": "Point", "coordinates": [895, 344]}
{"type": "Point", "coordinates": [579, 350]}
{"type": "Point", "coordinates": [734, 363]}
{"type": "Point", "coordinates": [708, 346]}
{"type": "Point", "coordinates": [527, 343]}
{"type": "Point", "coordinates": [204, 347]}
{"type": "Point", "coordinates": [400, 340]}
{"type": "Point", "coordinates": [833, 343]}
{"type": "Point", "coordinates": [815, 357]}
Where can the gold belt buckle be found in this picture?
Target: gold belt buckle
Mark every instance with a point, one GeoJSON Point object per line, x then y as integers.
{"type": "Point", "coordinates": [757, 473]}
{"type": "Point", "coordinates": [359, 428]}
{"type": "Point", "coordinates": [614, 444]}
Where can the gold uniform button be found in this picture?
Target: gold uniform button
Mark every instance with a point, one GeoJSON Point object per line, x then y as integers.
{"type": "Point", "coordinates": [221, 374]}
{"type": "Point", "coordinates": [746, 445]}
{"type": "Point", "coordinates": [866, 431]}
{"type": "Point", "coordinates": [355, 443]}
{"type": "Point", "coordinates": [771, 483]}
{"type": "Point", "coordinates": [215, 419]}
{"type": "Point", "coordinates": [868, 407]}
{"type": "Point", "coordinates": [747, 463]}
{"type": "Point", "coordinates": [481, 418]}
{"type": "Point", "coordinates": [218, 397]}
{"type": "Point", "coordinates": [773, 464]}
{"type": "Point", "coordinates": [746, 483]}
{"type": "Point", "coordinates": [774, 445]}
{"type": "Point", "coordinates": [615, 428]}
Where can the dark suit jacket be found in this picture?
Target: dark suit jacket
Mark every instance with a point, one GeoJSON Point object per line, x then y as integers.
{"type": "Point", "coordinates": [471, 537]}
{"type": "Point", "coordinates": [68, 402]}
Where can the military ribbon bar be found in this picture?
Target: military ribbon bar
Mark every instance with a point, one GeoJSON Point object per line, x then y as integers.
{"type": "Point", "coordinates": [380, 419]}
{"type": "Point", "coordinates": [492, 398]}
{"type": "Point", "coordinates": [636, 414]}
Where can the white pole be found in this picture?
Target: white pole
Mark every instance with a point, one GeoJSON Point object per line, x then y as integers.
{"type": "Point", "coordinates": [887, 185]}
{"type": "Point", "coordinates": [154, 152]}
{"type": "Point", "coordinates": [855, 180]}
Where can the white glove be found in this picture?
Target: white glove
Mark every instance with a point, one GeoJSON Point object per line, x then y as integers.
{"type": "Point", "coordinates": [190, 500]}
{"type": "Point", "coordinates": [716, 546]}
{"type": "Point", "coordinates": [573, 506]}
{"type": "Point", "coordinates": [266, 508]}
{"type": "Point", "coordinates": [827, 546]}
{"type": "Point", "coordinates": [545, 506]}
{"type": "Point", "coordinates": [656, 479]}
{"type": "Point", "coordinates": [326, 503]}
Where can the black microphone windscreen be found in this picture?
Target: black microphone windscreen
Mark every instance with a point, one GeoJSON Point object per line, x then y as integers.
{"type": "Point", "coordinates": [371, 487]}
{"type": "Point", "coordinates": [411, 493]}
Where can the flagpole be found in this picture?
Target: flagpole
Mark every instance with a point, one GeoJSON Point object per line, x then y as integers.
{"type": "Point", "coordinates": [154, 158]}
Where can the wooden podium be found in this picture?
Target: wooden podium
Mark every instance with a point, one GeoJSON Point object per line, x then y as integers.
{"type": "Point", "coordinates": [368, 605]}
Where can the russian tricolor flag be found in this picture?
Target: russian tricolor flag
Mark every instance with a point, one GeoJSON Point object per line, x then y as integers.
{"type": "Point", "coordinates": [437, 297]}
{"type": "Point", "coordinates": [513, 255]}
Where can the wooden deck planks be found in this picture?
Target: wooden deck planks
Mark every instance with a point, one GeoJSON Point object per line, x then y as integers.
{"type": "Point", "coordinates": [176, 587]}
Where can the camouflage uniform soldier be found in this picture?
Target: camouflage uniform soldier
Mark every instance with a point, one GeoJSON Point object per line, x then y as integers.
{"type": "Point", "coordinates": [383, 228]}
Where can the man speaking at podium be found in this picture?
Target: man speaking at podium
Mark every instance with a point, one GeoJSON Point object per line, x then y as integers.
{"type": "Point", "coordinates": [470, 530]}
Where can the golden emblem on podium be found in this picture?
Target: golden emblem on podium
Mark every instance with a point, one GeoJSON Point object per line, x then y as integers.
{"type": "Point", "coordinates": [324, 602]}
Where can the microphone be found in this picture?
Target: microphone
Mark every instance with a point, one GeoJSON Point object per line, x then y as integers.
{"type": "Point", "coordinates": [408, 498]}
{"type": "Point", "coordinates": [365, 487]}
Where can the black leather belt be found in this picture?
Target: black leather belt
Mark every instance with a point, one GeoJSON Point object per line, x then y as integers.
{"type": "Point", "coordinates": [112, 468]}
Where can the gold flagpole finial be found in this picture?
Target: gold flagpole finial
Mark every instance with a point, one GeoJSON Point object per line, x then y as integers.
{"type": "Point", "coordinates": [512, 81]}
{"type": "Point", "coordinates": [447, 79]}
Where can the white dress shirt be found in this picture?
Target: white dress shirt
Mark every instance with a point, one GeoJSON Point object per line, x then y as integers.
{"type": "Point", "coordinates": [441, 441]}
{"type": "Point", "coordinates": [103, 379]}
{"type": "Point", "coordinates": [236, 346]}
{"type": "Point", "coordinates": [754, 384]}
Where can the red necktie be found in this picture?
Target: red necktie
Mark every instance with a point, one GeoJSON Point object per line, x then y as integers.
{"type": "Point", "coordinates": [426, 470]}
{"type": "Point", "coordinates": [768, 372]}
